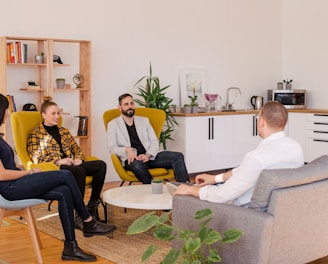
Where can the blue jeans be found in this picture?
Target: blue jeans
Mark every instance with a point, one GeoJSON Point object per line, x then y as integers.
{"type": "Point", "coordinates": [51, 185]}
{"type": "Point", "coordinates": [164, 159]}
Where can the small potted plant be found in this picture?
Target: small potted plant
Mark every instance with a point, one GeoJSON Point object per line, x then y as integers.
{"type": "Point", "coordinates": [195, 246]}
{"type": "Point", "coordinates": [60, 82]}
{"type": "Point", "coordinates": [187, 108]}
{"type": "Point", "coordinates": [39, 58]}
{"type": "Point", "coordinates": [194, 103]}
{"type": "Point", "coordinates": [288, 84]}
{"type": "Point", "coordinates": [157, 186]}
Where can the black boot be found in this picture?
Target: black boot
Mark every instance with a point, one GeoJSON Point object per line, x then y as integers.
{"type": "Point", "coordinates": [95, 228]}
{"type": "Point", "coordinates": [73, 252]}
{"type": "Point", "coordinates": [93, 209]}
{"type": "Point", "coordinates": [78, 223]}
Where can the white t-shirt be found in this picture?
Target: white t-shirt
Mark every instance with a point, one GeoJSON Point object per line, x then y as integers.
{"type": "Point", "coordinates": [275, 151]}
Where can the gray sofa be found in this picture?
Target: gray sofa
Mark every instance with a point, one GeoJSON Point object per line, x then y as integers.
{"type": "Point", "coordinates": [286, 222]}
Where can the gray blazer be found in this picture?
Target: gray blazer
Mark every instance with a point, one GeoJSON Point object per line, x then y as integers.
{"type": "Point", "coordinates": [118, 138]}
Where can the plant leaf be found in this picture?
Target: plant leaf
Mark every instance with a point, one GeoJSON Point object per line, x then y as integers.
{"type": "Point", "coordinates": [171, 257]}
{"type": "Point", "coordinates": [163, 218]}
{"type": "Point", "coordinates": [148, 252]}
{"type": "Point", "coordinates": [203, 213]}
{"type": "Point", "coordinates": [192, 244]}
{"type": "Point", "coordinates": [163, 233]}
{"type": "Point", "coordinates": [231, 235]}
{"type": "Point", "coordinates": [213, 256]}
{"type": "Point", "coordinates": [212, 237]}
{"type": "Point", "coordinates": [143, 223]}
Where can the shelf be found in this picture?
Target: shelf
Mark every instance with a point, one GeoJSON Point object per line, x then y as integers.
{"type": "Point", "coordinates": [27, 64]}
{"type": "Point", "coordinates": [32, 90]}
{"type": "Point", "coordinates": [36, 64]}
{"type": "Point", "coordinates": [78, 58]}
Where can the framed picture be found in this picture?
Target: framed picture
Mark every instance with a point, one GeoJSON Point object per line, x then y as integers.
{"type": "Point", "coordinates": [192, 82]}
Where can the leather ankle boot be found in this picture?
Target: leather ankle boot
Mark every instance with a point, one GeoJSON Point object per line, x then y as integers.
{"type": "Point", "coordinates": [78, 223]}
{"type": "Point", "coordinates": [95, 228]}
{"type": "Point", "coordinates": [93, 209]}
{"type": "Point", "coordinates": [73, 252]}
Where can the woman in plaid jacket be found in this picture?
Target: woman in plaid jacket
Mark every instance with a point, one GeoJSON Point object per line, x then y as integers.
{"type": "Point", "coordinates": [51, 143]}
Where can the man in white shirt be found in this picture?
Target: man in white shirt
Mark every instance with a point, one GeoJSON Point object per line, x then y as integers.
{"type": "Point", "coordinates": [275, 151]}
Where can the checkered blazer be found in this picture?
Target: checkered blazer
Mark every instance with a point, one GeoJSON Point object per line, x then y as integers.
{"type": "Point", "coordinates": [42, 147]}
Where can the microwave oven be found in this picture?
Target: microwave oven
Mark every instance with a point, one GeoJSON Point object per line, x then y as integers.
{"type": "Point", "coordinates": [291, 99]}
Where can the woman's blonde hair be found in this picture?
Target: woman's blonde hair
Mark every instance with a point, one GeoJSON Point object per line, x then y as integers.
{"type": "Point", "coordinates": [47, 102]}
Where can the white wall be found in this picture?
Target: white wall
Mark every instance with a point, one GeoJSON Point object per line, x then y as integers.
{"type": "Point", "coordinates": [243, 43]}
{"type": "Point", "coordinates": [305, 48]}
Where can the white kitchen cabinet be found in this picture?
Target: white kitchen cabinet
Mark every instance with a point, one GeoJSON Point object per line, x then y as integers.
{"type": "Point", "coordinates": [214, 142]}
{"type": "Point", "coordinates": [316, 136]}
{"type": "Point", "coordinates": [296, 127]}
{"type": "Point", "coordinates": [311, 131]}
{"type": "Point", "coordinates": [244, 137]}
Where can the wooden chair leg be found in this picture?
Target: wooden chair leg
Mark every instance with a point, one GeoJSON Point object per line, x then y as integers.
{"type": "Point", "coordinates": [33, 233]}
{"type": "Point", "coordinates": [2, 214]}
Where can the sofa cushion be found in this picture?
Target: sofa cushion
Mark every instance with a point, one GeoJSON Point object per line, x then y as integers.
{"type": "Point", "coordinates": [270, 180]}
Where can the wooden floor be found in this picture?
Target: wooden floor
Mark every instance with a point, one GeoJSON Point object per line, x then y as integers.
{"type": "Point", "coordinates": [16, 247]}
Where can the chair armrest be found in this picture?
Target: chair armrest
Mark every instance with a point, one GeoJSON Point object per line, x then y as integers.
{"type": "Point", "coordinates": [90, 158]}
{"type": "Point", "coordinates": [46, 166]}
{"type": "Point", "coordinates": [253, 246]}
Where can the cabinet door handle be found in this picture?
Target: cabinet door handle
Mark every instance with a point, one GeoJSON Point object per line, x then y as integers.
{"type": "Point", "coordinates": [210, 128]}
{"type": "Point", "coordinates": [322, 132]}
{"type": "Point", "coordinates": [320, 140]}
{"type": "Point", "coordinates": [320, 115]}
{"type": "Point", "coordinates": [254, 125]}
{"type": "Point", "coordinates": [320, 123]}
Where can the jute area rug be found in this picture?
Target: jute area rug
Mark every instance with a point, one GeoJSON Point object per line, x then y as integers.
{"type": "Point", "coordinates": [121, 248]}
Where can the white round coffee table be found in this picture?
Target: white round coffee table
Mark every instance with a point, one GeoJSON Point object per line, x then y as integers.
{"type": "Point", "coordinates": [137, 197]}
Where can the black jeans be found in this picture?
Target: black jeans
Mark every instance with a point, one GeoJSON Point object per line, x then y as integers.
{"type": "Point", "coordinates": [96, 169]}
{"type": "Point", "coordinates": [51, 185]}
{"type": "Point", "coordinates": [164, 159]}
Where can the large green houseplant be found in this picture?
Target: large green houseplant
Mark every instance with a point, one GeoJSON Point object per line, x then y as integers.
{"type": "Point", "coordinates": [196, 247]}
{"type": "Point", "coordinates": [154, 96]}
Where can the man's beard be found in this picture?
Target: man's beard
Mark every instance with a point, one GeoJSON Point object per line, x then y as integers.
{"type": "Point", "coordinates": [129, 112]}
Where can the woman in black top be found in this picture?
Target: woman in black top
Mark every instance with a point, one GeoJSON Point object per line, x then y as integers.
{"type": "Point", "coordinates": [16, 184]}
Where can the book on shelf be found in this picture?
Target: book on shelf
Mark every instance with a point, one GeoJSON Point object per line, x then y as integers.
{"type": "Point", "coordinates": [16, 52]}
{"type": "Point", "coordinates": [12, 105]}
{"type": "Point", "coordinates": [82, 126]}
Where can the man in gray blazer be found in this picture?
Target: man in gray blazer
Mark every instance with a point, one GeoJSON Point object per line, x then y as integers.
{"type": "Point", "coordinates": [133, 140]}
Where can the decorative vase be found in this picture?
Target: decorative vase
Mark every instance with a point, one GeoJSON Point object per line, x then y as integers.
{"type": "Point", "coordinates": [39, 58]}
{"type": "Point", "coordinates": [187, 109]}
{"type": "Point", "coordinates": [288, 86]}
{"type": "Point", "coordinates": [60, 83]}
{"type": "Point", "coordinates": [157, 187]}
{"type": "Point", "coordinates": [194, 109]}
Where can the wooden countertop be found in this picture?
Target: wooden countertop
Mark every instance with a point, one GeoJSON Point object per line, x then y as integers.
{"type": "Point", "coordinates": [250, 111]}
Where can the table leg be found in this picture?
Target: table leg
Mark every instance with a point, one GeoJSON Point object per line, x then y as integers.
{"type": "Point", "coordinates": [110, 210]}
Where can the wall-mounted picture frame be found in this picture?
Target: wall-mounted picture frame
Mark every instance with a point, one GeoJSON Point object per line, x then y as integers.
{"type": "Point", "coordinates": [192, 81]}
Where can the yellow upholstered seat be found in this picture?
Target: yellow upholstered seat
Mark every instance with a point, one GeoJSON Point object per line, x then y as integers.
{"type": "Point", "coordinates": [157, 119]}
{"type": "Point", "coordinates": [22, 124]}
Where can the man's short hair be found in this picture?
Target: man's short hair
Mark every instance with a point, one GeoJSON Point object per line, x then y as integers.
{"type": "Point", "coordinates": [121, 97]}
{"type": "Point", "coordinates": [275, 114]}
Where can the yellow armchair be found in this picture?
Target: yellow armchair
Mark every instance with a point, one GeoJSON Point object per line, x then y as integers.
{"type": "Point", "coordinates": [22, 124]}
{"type": "Point", "coordinates": [157, 119]}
